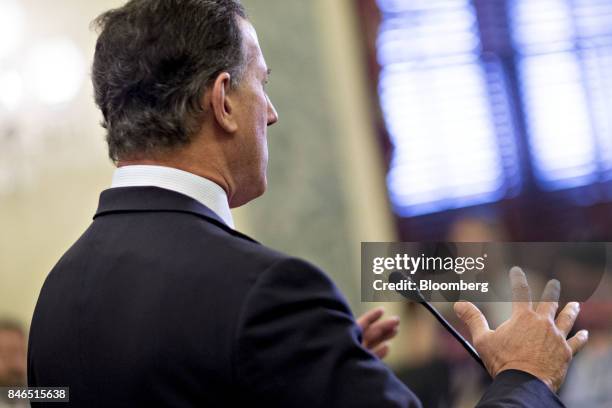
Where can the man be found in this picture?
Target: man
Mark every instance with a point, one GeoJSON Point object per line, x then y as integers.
{"type": "Point", "coordinates": [12, 361]}
{"type": "Point", "coordinates": [162, 303]}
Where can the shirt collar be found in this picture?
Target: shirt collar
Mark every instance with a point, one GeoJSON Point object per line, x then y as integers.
{"type": "Point", "coordinates": [199, 188]}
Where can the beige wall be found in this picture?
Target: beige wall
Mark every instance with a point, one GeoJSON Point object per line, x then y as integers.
{"type": "Point", "coordinates": [326, 184]}
{"type": "Point", "coordinates": [57, 165]}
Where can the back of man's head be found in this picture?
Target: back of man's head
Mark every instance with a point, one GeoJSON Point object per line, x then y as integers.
{"type": "Point", "coordinates": [153, 61]}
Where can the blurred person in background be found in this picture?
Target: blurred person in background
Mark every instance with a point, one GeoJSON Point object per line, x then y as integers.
{"type": "Point", "coordinates": [12, 360]}
{"type": "Point", "coordinates": [425, 369]}
{"type": "Point", "coordinates": [474, 228]}
{"type": "Point", "coordinates": [436, 367]}
{"type": "Point", "coordinates": [467, 380]}
{"type": "Point", "coordinates": [589, 379]}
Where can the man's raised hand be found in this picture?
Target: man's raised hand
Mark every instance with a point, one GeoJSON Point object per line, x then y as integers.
{"type": "Point", "coordinates": [532, 340]}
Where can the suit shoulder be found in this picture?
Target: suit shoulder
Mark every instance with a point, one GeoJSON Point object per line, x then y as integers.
{"type": "Point", "coordinates": [237, 247]}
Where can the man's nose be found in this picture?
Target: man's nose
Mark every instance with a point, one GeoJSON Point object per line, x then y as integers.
{"type": "Point", "coordinates": [272, 114]}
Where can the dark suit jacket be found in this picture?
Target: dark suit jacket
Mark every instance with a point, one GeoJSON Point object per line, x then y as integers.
{"type": "Point", "coordinates": [159, 303]}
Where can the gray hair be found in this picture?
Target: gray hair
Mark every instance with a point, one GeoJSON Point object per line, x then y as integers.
{"type": "Point", "coordinates": [153, 61]}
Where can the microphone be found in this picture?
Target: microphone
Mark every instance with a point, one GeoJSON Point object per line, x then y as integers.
{"type": "Point", "coordinates": [416, 296]}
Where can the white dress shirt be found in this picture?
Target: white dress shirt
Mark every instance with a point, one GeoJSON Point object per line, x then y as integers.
{"type": "Point", "coordinates": [203, 190]}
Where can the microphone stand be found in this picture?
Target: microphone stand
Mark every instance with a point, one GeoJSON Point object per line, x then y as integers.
{"type": "Point", "coordinates": [396, 277]}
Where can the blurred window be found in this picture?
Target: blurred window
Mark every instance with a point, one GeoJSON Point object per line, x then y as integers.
{"type": "Point", "coordinates": [565, 71]}
{"type": "Point", "coordinates": [482, 98]}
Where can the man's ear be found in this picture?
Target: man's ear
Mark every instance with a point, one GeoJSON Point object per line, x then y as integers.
{"type": "Point", "coordinates": [222, 103]}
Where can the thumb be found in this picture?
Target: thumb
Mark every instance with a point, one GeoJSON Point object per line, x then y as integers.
{"type": "Point", "coordinates": [472, 317]}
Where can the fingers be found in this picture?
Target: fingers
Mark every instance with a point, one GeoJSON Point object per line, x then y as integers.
{"type": "Point", "coordinates": [577, 342]}
{"type": "Point", "coordinates": [382, 350]}
{"type": "Point", "coordinates": [379, 332]}
{"type": "Point", "coordinates": [368, 318]}
{"type": "Point", "coordinates": [550, 299]}
{"type": "Point", "coordinates": [566, 318]}
{"type": "Point", "coordinates": [521, 294]}
{"type": "Point", "coordinates": [473, 318]}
